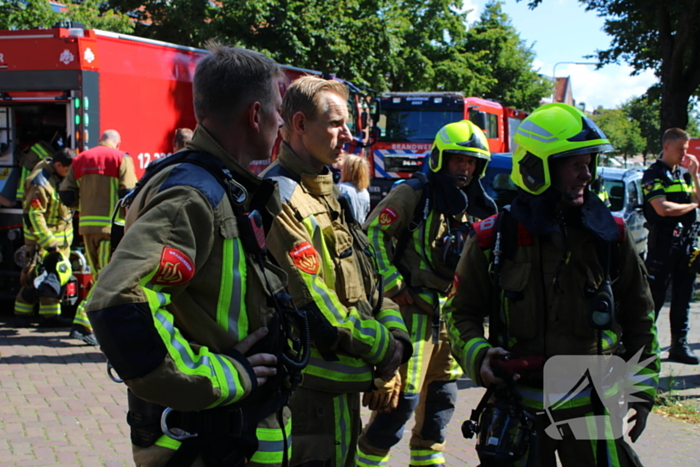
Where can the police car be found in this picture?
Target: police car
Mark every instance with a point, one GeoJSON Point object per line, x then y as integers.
{"type": "Point", "coordinates": [624, 187]}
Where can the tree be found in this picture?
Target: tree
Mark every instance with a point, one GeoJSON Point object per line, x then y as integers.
{"type": "Point", "coordinates": [645, 110]}
{"type": "Point", "coordinates": [508, 59]}
{"type": "Point", "coordinates": [658, 35]}
{"type": "Point", "coordinates": [623, 132]}
{"type": "Point", "coordinates": [27, 14]}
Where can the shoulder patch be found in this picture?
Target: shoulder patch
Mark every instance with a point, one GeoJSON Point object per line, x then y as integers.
{"type": "Point", "coordinates": [648, 185]}
{"type": "Point", "coordinates": [486, 231]}
{"type": "Point", "coordinates": [35, 203]}
{"type": "Point", "coordinates": [197, 177]}
{"type": "Point", "coordinates": [175, 268]}
{"type": "Point", "coordinates": [305, 258]}
{"type": "Point", "coordinates": [387, 216]}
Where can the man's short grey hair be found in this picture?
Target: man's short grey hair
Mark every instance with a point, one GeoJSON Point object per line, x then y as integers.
{"type": "Point", "coordinates": [111, 136]}
{"type": "Point", "coordinates": [230, 78]}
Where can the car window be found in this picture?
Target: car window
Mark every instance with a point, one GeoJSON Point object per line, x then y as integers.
{"type": "Point", "coordinates": [632, 194]}
{"type": "Point", "coordinates": [616, 192]}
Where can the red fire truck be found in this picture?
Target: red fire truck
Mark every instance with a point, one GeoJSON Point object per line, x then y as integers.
{"type": "Point", "coordinates": [409, 121]}
{"type": "Point", "coordinates": [66, 85]}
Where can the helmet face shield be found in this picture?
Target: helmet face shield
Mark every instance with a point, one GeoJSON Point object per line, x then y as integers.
{"type": "Point", "coordinates": [462, 137]}
{"type": "Point", "coordinates": [553, 131]}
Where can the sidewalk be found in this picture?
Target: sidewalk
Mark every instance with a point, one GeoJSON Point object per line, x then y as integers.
{"type": "Point", "coordinates": [58, 407]}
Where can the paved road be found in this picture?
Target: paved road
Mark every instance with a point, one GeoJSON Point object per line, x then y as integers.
{"type": "Point", "coordinates": [57, 407]}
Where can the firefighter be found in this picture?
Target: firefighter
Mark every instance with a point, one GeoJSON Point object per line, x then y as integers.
{"type": "Point", "coordinates": [97, 180]}
{"type": "Point", "coordinates": [670, 187]}
{"type": "Point", "coordinates": [28, 160]}
{"type": "Point", "coordinates": [48, 229]}
{"type": "Point", "coordinates": [190, 287]}
{"type": "Point", "coordinates": [356, 335]}
{"type": "Point", "coordinates": [542, 272]}
{"type": "Point", "coordinates": [417, 251]}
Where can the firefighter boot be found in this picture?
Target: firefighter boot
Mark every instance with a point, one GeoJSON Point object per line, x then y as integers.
{"type": "Point", "coordinates": [680, 350]}
{"type": "Point", "coordinates": [22, 321]}
{"type": "Point", "coordinates": [78, 331]}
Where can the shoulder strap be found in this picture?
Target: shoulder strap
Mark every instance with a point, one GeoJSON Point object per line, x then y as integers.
{"type": "Point", "coordinates": [420, 213]}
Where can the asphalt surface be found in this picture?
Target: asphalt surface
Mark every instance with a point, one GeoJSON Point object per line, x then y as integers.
{"type": "Point", "coordinates": [58, 407]}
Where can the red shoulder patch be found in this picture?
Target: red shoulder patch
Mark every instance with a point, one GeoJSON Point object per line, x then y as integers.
{"type": "Point", "coordinates": [175, 268]}
{"type": "Point", "coordinates": [387, 216]}
{"type": "Point", "coordinates": [486, 231]}
{"type": "Point", "coordinates": [305, 258]}
{"type": "Point", "coordinates": [621, 227]}
{"type": "Point", "coordinates": [455, 285]}
{"type": "Point", "coordinates": [35, 203]}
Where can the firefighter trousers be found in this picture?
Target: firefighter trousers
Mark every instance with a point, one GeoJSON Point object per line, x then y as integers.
{"type": "Point", "coordinates": [429, 390]}
{"type": "Point", "coordinates": [325, 428]}
{"type": "Point", "coordinates": [27, 296]}
{"type": "Point", "coordinates": [98, 250]}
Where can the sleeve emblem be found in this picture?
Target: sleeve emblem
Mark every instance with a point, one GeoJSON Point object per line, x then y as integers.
{"type": "Point", "coordinates": [455, 285]}
{"type": "Point", "coordinates": [648, 186]}
{"type": "Point", "coordinates": [35, 203]}
{"type": "Point", "coordinates": [387, 216]}
{"type": "Point", "coordinates": [175, 268]}
{"type": "Point", "coordinates": [305, 258]}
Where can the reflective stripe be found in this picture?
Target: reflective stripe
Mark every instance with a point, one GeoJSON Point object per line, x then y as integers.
{"type": "Point", "coordinates": [167, 442]}
{"type": "Point", "coordinates": [415, 364]}
{"type": "Point", "coordinates": [473, 348]}
{"type": "Point", "coordinates": [391, 319]}
{"type": "Point", "coordinates": [104, 251]}
{"type": "Point", "coordinates": [368, 460]}
{"type": "Point", "coordinates": [271, 442]}
{"type": "Point", "coordinates": [50, 309]}
{"type": "Point", "coordinates": [231, 313]}
{"type": "Point", "coordinates": [535, 131]}
{"type": "Point", "coordinates": [347, 368]}
{"type": "Point", "coordinates": [343, 421]}
{"type": "Point", "coordinates": [23, 308]}
{"type": "Point", "coordinates": [382, 243]}
{"type": "Point", "coordinates": [95, 221]}
{"type": "Point", "coordinates": [426, 457]}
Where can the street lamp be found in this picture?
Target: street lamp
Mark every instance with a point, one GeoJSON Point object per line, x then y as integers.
{"type": "Point", "coordinates": [554, 72]}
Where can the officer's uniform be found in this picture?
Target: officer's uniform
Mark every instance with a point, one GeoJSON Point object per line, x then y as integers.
{"type": "Point", "coordinates": [331, 277]}
{"type": "Point", "coordinates": [93, 186]}
{"type": "Point", "coordinates": [556, 323]}
{"type": "Point", "coordinates": [47, 223]}
{"type": "Point", "coordinates": [180, 292]}
{"type": "Point", "coordinates": [666, 261]}
{"type": "Point", "coordinates": [422, 270]}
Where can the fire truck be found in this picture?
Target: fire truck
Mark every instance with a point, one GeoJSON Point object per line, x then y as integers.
{"type": "Point", "coordinates": [408, 123]}
{"type": "Point", "coordinates": [66, 85]}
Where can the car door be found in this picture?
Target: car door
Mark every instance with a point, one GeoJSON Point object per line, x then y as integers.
{"type": "Point", "coordinates": [634, 216]}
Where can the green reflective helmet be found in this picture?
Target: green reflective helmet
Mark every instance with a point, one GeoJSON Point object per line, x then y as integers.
{"type": "Point", "coordinates": [553, 131]}
{"type": "Point", "coordinates": [460, 138]}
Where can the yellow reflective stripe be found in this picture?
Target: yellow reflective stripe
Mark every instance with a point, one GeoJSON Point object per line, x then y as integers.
{"type": "Point", "coordinates": [23, 308]}
{"type": "Point", "coordinates": [167, 442]}
{"type": "Point", "coordinates": [231, 312]}
{"type": "Point", "coordinates": [345, 369]}
{"type": "Point", "coordinates": [367, 331]}
{"type": "Point", "coordinates": [472, 350]}
{"type": "Point", "coordinates": [368, 460]}
{"type": "Point", "coordinates": [271, 443]}
{"type": "Point", "coordinates": [201, 362]}
{"type": "Point", "coordinates": [343, 424]}
{"type": "Point", "coordinates": [81, 315]}
{"type": "Point", "coordinates": [426, 457]}
{"type": "Point", "coordinates": [381, 243]}
{"type": "Point", "coordinates": [104, 252]}
{"type": "Point", "coordinates": [90, 221]}
{"type": "Point", "coordinates": [415, 363]}
{"type": "Point", "coordinates": [39, 150]}
{"type": "Point", "coordinates": [50, 309]}
{"type": "Point", "coordinates": [391, 319]}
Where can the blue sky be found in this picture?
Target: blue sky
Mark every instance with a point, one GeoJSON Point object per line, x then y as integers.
{"type": "Point", "coordinates": [562, 31]}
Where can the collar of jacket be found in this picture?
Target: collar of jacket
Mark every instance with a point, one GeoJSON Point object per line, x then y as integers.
{"type": "Point", "coordinates": [205, 142]}
{"type": "Point", "coordinates": [312, 181]}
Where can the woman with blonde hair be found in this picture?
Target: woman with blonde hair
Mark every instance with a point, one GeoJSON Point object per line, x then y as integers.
{"type": "Point", "coordinates": [354, 182]}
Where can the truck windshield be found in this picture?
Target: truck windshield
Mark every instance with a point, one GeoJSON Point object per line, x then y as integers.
{"type": "Point", "coordinates": [414, 126]}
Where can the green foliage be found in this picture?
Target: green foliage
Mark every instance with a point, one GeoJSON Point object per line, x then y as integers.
{"type": "Point", "coordinates": [507, 61]}
{"type": "Point", "coordinates": [623, 132]}
{"type": "Point", "coordinates": [645, 110]}
{"type": "Point", "coordinates": [27, 14]}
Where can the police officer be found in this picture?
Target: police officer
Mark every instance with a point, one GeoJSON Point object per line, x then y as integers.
{"type": "Point", "coordinates": [356, 334]}
{"type": "Point", "coordinates": [670, 187]}
{"type": "Point", "coordinates": [48, 228]}
{"type": "Point", "coordinates": [542, 272]}
{"type": "Point", "coordinates": [418, 232]}
{"type": "Point", "coordinates": [190, 289]}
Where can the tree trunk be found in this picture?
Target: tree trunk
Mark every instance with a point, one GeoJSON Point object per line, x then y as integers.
{"type": "Point", "coordinates": [674, 107]}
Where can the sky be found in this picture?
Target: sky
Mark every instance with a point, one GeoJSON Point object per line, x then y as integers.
{"type": "Point", "coordinates": [562, 31]}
